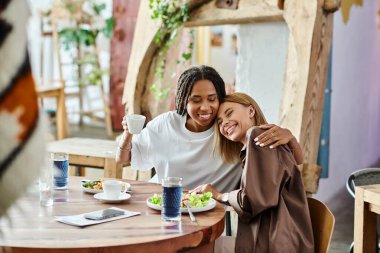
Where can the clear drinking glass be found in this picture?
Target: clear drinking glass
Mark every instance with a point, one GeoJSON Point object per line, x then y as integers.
{"type": "Point", "coordinates": [46, 185]}
{"type": "Point", "coordinates": [171, 199]}
{"type": "Point", "coordinates": [60, 169]}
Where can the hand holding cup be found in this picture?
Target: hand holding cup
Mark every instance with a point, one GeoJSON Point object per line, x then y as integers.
{"type": "Point", "coordinates": [133, 123]}
{"type": "Point", "coordinates": [124, 124]}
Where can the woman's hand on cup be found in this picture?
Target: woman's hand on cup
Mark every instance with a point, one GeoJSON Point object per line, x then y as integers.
{"type": "Point", "coordinates": [126, 137]}
{"type": "Point", "coordinates": [124, 124]}
{"type": "Point", "coordinates": [274, 136]}
{"type": "Point", "coordinates": [133, 123]}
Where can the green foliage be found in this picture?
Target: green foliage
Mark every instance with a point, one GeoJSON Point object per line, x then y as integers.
{"type": "Point", "coordinates": [94, 76]}
{"type": "Point", "coordinates": [159, 93]}
{"type": "Point", "coordinates": [98, 8]}
{"type": "Point", "coordinates": [94, 73]}
{"type": "Point", "coordinates": [172, 15]}
{"type": "Point", "coordinates": [70, 6]}
{"type": "Point", "coordinates": [107, 29]}
{"type": "Point", "coordinates": [86, 35]}
{"type": "Point", "coordinates": [70, 36]}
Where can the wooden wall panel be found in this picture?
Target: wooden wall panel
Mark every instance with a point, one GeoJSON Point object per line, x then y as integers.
{"type": "Point", "coordinates": [143, 51]}
{"type": "Point", "coordinates": [310, 35]}
{"type": "Point", "coordinates": [248, 12]}
{"type": "Point", "coordinates": [125, 13]}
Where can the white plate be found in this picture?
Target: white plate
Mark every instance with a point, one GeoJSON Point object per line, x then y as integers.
{"type": "Point", "coordinates": [88, 190]}
{"type": "Point", "coordinates": [101, 196]}
{"type": "Point", "coordinates": [211, 204]}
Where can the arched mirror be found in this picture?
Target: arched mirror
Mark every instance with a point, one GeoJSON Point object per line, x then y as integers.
{"type": "Point", "coordinates": [283, 57]}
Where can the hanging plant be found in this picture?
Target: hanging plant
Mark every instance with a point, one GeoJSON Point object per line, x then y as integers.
{"type": "Point", "coordinates": [72, 36]}
{"type": "Point", "coordinates": [93, 71]}
{"type": "Point", "coordinates": [172, 14]}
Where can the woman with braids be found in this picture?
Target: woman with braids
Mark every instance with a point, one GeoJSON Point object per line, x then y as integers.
{"type": "Point", "coordinates": [271, 204]}
{"type": "Point", "coordinates": [180, 143]}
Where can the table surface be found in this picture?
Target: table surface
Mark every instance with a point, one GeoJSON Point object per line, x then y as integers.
{"type": "Point", "coordinates": [85, 152]}
{"type": "Point", "coordinates": [34, 227]}
{"type": "Point", "coordinates": [84, 146]}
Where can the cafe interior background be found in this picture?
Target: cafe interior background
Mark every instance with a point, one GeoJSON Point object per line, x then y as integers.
{"type": "Point", "coordinates": [251, 59]}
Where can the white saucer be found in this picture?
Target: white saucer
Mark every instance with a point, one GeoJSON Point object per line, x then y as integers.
{"type": "Point", "coordinates": [101, 196]}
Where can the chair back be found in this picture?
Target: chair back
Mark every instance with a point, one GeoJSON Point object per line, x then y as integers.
{"type": "Point", "coordinates": [323, 222]}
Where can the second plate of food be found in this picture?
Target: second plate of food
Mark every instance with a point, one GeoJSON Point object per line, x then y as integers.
{"type": "Point", "coordinates": [96, 186]}
{"type": "Point", "coordinates": [197, 202]}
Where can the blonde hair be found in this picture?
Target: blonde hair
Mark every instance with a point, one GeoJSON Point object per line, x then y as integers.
{"type": "Point", "coordinates": [230, 150]}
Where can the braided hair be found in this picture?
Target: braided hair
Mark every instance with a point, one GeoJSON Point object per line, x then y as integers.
{"type": "Point", "coordinates": [187, 80]}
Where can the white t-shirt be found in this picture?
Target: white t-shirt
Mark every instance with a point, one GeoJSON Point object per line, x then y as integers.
{"type": "Point", "coordinates": [168, 146]}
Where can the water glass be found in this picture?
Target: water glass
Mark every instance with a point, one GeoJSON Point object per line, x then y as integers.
{"type": "Point", "coordinates": [60, 169]}
{"type": "Point", "coordinates": [46, 192]}
{"type": "Point", "coordinates": [171, 199]}
{"type": "Point", "coordinates": [46, 186]}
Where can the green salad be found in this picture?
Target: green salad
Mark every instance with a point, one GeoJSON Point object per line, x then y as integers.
{"type": "Point", "coordinates": [195, 200]}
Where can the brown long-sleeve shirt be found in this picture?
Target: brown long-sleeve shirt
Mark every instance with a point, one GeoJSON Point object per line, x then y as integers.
{"type": "Point", "coordinates": [271, 203]}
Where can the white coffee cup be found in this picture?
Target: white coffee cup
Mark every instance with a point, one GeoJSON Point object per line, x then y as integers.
{"type": "Point", "coordinates": [135, 123]}
{"type": "Point", "coordinates": [114, 188]}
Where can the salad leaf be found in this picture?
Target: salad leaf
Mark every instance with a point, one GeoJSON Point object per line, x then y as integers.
{"type": "Point", "coordinates": [92, 184]}
{"type": "Point", "coordinates": [156, 199]}
{"type": "Point", "coordinates": [195, 200]}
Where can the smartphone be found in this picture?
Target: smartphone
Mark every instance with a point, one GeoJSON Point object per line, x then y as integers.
{"type": "Point", "coordinates": [103, 214]}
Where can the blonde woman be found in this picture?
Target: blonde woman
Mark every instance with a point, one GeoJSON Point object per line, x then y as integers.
{"type": "Point", "coordinates": [271, 202]}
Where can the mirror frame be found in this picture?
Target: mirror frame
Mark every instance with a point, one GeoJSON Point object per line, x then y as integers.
{"type": "Point", "coordinates": [310, 34]}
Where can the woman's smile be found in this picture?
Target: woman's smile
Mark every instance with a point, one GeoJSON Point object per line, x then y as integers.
{"type": "Point", "coordinates": [205, 116]}
{"type": "Point", "coordinates": [229, 129]}
{"type": "Point", "coordinates": [234, 120]}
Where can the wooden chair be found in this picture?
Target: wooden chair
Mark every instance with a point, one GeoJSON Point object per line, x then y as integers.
{"type": "Point", "coordinates": [76, 87]}
{"type": "Point", "coordinates": [57, 92]}
{"type": "Point", "coordinates": [52, 88]}
{"type": "Point", "coordinates": [323, 222]}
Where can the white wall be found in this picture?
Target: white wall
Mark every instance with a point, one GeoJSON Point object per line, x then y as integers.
{"type": "Point", "coordinates": [261, 64]}
{"type": "Point", "coordinates": [223, 58]}
{"type": "Point", "coordinates": [355, 101]}
{"type": "Point", "coordinates": [36, 44]}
